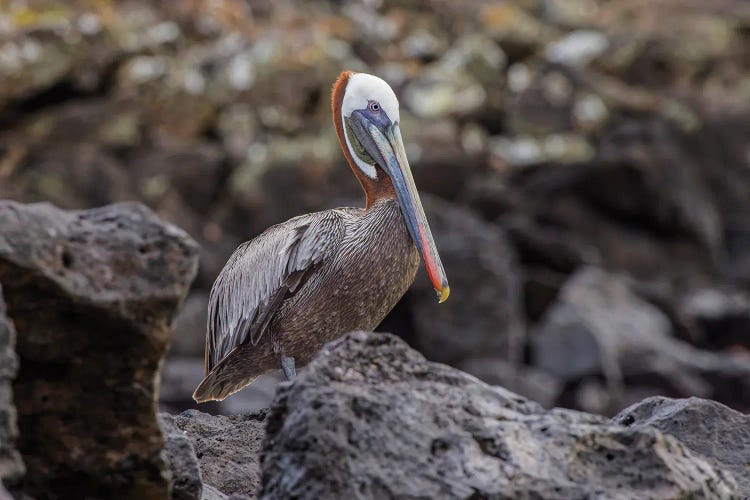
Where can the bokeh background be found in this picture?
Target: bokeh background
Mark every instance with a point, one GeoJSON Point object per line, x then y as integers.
{"type": "Point", "coordinates": [585, 166]}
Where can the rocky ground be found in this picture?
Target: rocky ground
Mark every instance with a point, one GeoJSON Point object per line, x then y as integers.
{"type": "Point", "coordinates": [549, 137]}
{"type": "Point", "coordinates": [585, 166]}
{"type": "Point", "coordinates": [371, 418]}
{"type": "Point", "coordinates": [88, 300]}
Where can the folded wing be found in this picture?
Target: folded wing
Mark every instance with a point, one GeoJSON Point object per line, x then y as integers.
{"type": "Point", "coordinates": [261, 274]}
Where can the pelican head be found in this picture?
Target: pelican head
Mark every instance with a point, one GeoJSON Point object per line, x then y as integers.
{"type": "Point", "coordinates": [366, 116]}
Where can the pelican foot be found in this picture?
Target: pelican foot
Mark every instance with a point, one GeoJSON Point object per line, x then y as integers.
{"type": "Point", "coordinates": [287, 364]}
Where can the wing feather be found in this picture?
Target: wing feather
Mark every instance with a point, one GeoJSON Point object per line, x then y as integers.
{"type": "Point", "coordinates": [261, 274]}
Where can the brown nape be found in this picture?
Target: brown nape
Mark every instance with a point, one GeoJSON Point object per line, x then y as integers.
{"type": "Point", "coordinates": [377, 189]}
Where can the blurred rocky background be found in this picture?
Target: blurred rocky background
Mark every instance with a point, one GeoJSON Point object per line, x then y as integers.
{"type": "Point", "coordinates": [585, 166]}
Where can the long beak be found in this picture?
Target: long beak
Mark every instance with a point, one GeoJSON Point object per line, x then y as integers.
{"type": "Point", "coordinates": [393, 156]}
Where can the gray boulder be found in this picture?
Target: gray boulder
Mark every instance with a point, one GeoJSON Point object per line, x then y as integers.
{"type": "Point", "coordinates": [371, 418]}
{"type": "Point", "coordinates": [186, 475]}
{"type": "Point", "coordinates": [595, 321]}
{"type": "Point", "coordinates": [598, 327]}
{"type": "Point", "coordinates": [716, 432]}
{"type": "Point", "coordinates": [92, 294]}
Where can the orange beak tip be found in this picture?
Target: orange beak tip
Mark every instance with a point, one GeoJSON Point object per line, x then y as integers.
{"type": "Point", "coordinates": [443, 294]}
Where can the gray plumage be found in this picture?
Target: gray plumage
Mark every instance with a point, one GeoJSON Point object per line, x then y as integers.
{"type": "Point", "coordinates": [301, 284]}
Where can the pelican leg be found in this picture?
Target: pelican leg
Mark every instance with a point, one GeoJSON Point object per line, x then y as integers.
{"type": "Point", "coordinates": [287, 364]}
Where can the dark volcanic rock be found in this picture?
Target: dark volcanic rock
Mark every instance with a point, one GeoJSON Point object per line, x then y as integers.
{"type": "Point", "coordinates": [595, 321]}
{"type": "Point", "coordinates": [227, 448]}
{"type": "Point", "coordinates": [371, 418]}
{"type": "Point", "coordinates": [92, 294]}
{"type": "Point", "coordinates": [644, 175]}
{"type": "Point", "coordinates": [564, 216]}
{"type": "Point", "coordinates": [597, 133]}
{"type": "Point", "coordinates": [11, 465]}
{"type": "Point", "coordinates": [186, 475]}
{"type": "Point", "coordinates": [599, 328]}
{"type": "Point", "coordinates": [720, 434]}
{"type": "Point", "coordinates": [485, 303]}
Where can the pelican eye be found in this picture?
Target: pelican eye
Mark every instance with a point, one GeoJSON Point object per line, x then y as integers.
{"type": "Point", "coordinates": [374, 106]}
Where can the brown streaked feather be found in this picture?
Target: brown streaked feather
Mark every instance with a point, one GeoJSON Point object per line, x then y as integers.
{"type": "Point", "coordinates": [260, 275]}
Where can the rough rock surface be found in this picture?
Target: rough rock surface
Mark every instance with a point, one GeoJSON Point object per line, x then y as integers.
{"type": "Point", "coordinates": [227, 448]}
{"type": "Point", "coordinates": [92, 294]}
{"type": "Point", "coordinates": [11, 464]}
{"type": "Point", "coordinates": [711, 429]}
{"type": "Point", "coordinates": [186, 475]}
{"type": "Point", "coordinates": [371, 418]}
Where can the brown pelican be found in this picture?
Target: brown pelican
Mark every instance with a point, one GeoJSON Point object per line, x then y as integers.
{"type": "Point", "coordinates": [311, 279]}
